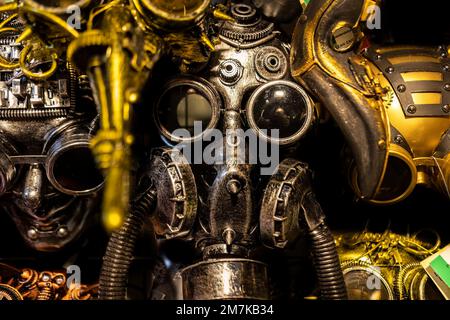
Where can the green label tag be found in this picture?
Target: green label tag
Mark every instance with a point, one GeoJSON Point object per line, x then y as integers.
{"type": "Point", "coordinates": [304, 3]}
{"type": "Point", "coordinates": [442, 269]}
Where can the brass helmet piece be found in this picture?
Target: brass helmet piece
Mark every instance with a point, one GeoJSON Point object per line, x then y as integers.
{"type": "Point", "coordinates": [325, 38]}
{"type": "Point", "coordinates": [417, 104]}
{"type": "Point", "coordinates": [391, 103]}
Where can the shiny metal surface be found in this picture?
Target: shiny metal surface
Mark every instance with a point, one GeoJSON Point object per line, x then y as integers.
{"type": "Point", "coordinates": [225, 279]}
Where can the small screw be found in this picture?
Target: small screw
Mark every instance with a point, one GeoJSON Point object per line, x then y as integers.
{"type": "Point", "coordinates": [59, 280]}
{"type": "Point", "coordinates": [62, 232]}
{"type": "Point", "coordinates": [446, 108]}
{"type": "Point", "coordinates": [411, 109]}
{"type": "Point", "coordinates": [401, 88]}
{"type": "Point", "coordinates": [382, 144]}
{"type": "Point", "coordinates": [32, 234]}
{"type": "Point", "coordinates": [390, 70]}
{"type": "Point", "coordinates": [303, 18]}
{"type": "Point", "coordinates": [398, 139]}
{"type": "Point", "coordinates": [45, 278]}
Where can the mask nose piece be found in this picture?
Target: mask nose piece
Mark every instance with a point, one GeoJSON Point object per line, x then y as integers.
{"type": "Point", "coordinates": [32, 190]}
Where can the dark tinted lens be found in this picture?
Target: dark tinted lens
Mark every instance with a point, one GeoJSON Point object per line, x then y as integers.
{"type": "Point", "coordinates": [75, 170]}
{"type": "Point", "coordinates": [396, 180]}
{"type": "Point", "coordinates": [183, 105]}
{"type": "Point", "coordinates": [280, 107]}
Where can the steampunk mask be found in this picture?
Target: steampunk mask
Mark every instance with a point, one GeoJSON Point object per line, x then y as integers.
{"type": "Point", "coordinates": [391, 103]}
{"type": "Point", "coordinates": [48, 179]}
{"type": "Point", "coordinates": [245, 85]}
{"type": "Point", "coordinates": [416, 85]}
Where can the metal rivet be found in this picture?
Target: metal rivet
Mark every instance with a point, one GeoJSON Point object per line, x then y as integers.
{"type": "Point", "coordinates": [303, 18]}
{"type": "Point", "coordinates": [390, 70]}
{"type": "Point", "coordinates": [446, 108]}
{"type": "Point", "coordinates": [60, 280]}
{"type": "Point", "coordinates": [401, 88]}
{"type": "Point", "coordinates": [62, 232]}
{"type": "Point", "coordinates": [378, 57]}
{"type": "Point", "coordinates": [230, 71]}
{"type": "Point", "coordinates": [446, 68]}
{"type": "Point", "coordinates": [411, 109]}
{"type": "Point", "coordinates": [45, 278]}
{"type": "Point", "coordinates": [32, 233]}
{"type": "Point", "coordinates": [382, 144]}
{"type": "Point", "coordinates": [447, 87]}
{"type": "Point", "coordinates": [398, 139]}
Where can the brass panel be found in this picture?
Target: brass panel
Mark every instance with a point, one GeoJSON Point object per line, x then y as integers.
{"type": "Point", "coordinates": [415, 59]}
{"type": "Point", "coordinates": [427, 97]}
{"type": "Point", "coordinates": [422, 133]}
{"type": "Point", "coordinates": [421, 76]}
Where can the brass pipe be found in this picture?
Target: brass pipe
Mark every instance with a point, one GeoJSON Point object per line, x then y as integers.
{"type": "Point", "coordinates": [8, 20]}
{"type": "Point", "coordinates": [324, 70]}
{"type": "Point", "coordinates": [35, 75]}
{"type": "Point", "coordinates": [8, 7]}
{"type": "Point", "coordinates": [50, 17]}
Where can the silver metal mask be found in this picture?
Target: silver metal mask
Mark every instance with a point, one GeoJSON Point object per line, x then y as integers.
{"type": "Point", "coordinates": [48, 179]}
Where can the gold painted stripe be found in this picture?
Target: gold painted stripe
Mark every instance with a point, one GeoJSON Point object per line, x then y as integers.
{"type": "Point", "coordinates": [427, 98]}
{"type": "Point", "coordinates": [411, 59]}
{"type": "Point", "coordinates": [422, 76]}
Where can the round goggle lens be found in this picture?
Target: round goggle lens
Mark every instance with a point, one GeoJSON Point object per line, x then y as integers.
{"type": "Point", "coordinates": [282, 106]}
{"type": "Point", "coordinates": [75, 170]}
{"type": "Point", "coordinates": [183, 105]}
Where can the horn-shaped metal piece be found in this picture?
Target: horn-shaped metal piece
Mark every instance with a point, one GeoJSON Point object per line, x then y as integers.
{"type": "Point", "coordinates": [322, 57]}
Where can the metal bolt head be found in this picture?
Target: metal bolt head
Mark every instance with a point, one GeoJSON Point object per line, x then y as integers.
{"type": "Point", "coordinates": [398, 139]}
{"type": "Point", "coordinates": [378, 57]}
{"type": "Point", "coordinates": [45, 277]}
{"type": "Point", "coordinates": [272, 63]}
{"type": "Point", "coordinates": [401, 88]}
{"type": "Point", "coordinates": [59, 280]}
{"type": "Point", "coordinates": [446, 68]}
{"type": "Point", "coordinates": [446, 108]}
{"type": "Point", "coordinates": [390, 69]}
{"type": "Point", "coordinates": [32, 234]}
{"type": "Point", "coordinates": [411, 109]}
{"type": "Point", "coordinates": [447, 87]}
{"type": "Point", "coordinates": [62, 232]}
{"type": "Point", "coordinates": [303, 18]}
{"type": "Point", "coordinates": [382, 144]}
{"type": "Point", "coordinates": [230, 71]}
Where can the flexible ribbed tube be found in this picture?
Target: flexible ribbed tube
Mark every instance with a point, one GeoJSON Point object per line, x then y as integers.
{"type": "Point", "coordinates": [399, 280]}
{"type": "Point", "coordinates": [119, 253]}
{"type": "Point", "coordinates": [327, 264]}
{"type": "Point", "coordinates": [36, 114]}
